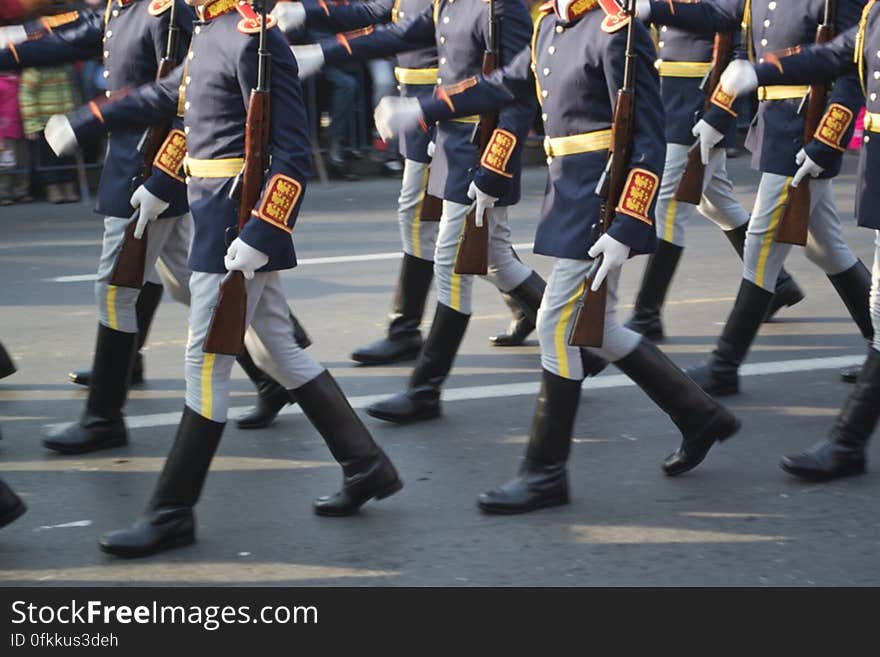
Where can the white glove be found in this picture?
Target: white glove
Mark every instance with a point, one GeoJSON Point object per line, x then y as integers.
{"type": "Point", "coordinates": [708, 137]}
{"type": "Point", "coordinates": [431, 148]}
{"type": "Point", "coordinates": [643, 10]}
{"type": "Point", "coordinates": [395, 114]}
{"type": "Point", "coordinates": [739, 78]}
{"type": "Point", "coordinates": [310, 59]}
{"type": "Point", "coordinates": [59, 135]}
{"type": "Point", "coordinates": [483, 202]}
{"type": "Point", "coordinates": [12, 34]}
{"type": "Point", "coordinates": [149, 206]}
{"type": "Point", "coordinates": [807, 168]}
{"type": "Point", "coordinates": [290, 15]}
{"type": "Point", "coordinates": [241, 256]}
{"type": "Point", "coordinates": [613, 253]}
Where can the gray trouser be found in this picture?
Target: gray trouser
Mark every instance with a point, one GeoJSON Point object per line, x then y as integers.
{"type": "Point", "coordinates": [172, 267]}
{"type": "Point", "coordinates": [418, 238]}
{"type": "Point", "coordinates": [269, 339]}
{"type": "Point", "coordinates": [556, 315]}
{"type": "Point", "coordinates": [116, 305]}
{"type": "Point", "coordinates": [875, 292]}
{"type": "Point", "coordinates": [718, 203]}
{"type": "Point", "coordinates": [505, 271]}
{"type": "Point", "coordinates": [764, 256]}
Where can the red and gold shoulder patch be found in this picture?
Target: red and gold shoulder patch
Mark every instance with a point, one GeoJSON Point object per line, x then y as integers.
{"type": "Point", "coordinates": [616, 18]}
{"type": "Point", "coordinates": [498, 152]}
{"type": "Point", "coordinates": [723, 100]}
{"type": "Point", "coordinates": [638, 194]}
{"type": "Point", "coordinates": [49, 22]}
{"type": "Point", "coordinates": [250, 20]}
{"type": "Point", "coordinates": [159, 7]}
{"type": "Point", "coordinates": [833, 126]}
{"type": "Point", "coordinates": [170, 157]}
{"type": "Point", "coordinates": [279, 200]}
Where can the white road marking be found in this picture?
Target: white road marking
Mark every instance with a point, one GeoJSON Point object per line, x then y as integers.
{"type": "Point", "coordinates": [66, 525]}
{"type": "Point", "coordinates": [529, 388]}
{"type": "Point", "coordinates": [330, 260]}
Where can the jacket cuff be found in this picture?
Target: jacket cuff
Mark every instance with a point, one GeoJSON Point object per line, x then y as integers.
{"type": "Point", "coordinates": [634, 215]}
{"type": "Point", "coordinates": [637, 235]}
{"type": "Point", "coordinates": [272, 220]}
{"type": "Point", "coordinates": [719, 119]}
{"type": "Point", "coordinates": [165, 187]}
{"type": "Point", "coordinates": [825, 156]}
{"type": "Point", "coordinates": [494, 175]}
{"type": "Point", "coordinates": [88, 123]}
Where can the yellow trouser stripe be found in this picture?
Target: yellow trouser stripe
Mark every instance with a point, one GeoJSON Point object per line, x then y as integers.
{"type": "Point", "coordinates": [771, 233]}
{"type": "Point", "coordinates": [455, 282]}
{"type": "Point", "coordinates": [415, 231]}
{"type": "Point", "coordinates": [111, 307]}
{"type": "Point", "coordinates": [684, 69]}
{"type": "Point", "coordinates": [207, 385]}
{"type": "Point", "coordinates": [560, 335]}
{"type": "Point", "coordinates": [670, 220]}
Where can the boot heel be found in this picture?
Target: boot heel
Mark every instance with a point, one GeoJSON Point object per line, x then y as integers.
{"type": "Point", "coordinates": [729, 426]}
{"type": "Point", "coordinates": [388, 491]}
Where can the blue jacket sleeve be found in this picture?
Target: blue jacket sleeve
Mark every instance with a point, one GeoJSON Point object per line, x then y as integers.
{"type": "Point", "coordinates": [816, 63]}
{"type": "Point", "coordinates": [702, 17]}
{"type": "Point", "coordinates": [835, 130]}
{"type": "Point", "coordinates": [484, 93]}
{"type": "Point", "coordinates": [369, 43]}
{"type": "Point", "coordinates": [333, 16]}
{"type": "Point", "coordinates": [504, 146]}
{"type": "Point", "coordinates": [274, 216]}
{"type": "Point", "coordinates": [80, 39]}
{"type": "Point", "coordinates": [633, 223]}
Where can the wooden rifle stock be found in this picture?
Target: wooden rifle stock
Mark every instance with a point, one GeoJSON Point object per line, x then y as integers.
{"type": "Point", "coordinates": [132, 259]}
{"type": "Point", "coordinates": [473, 247]}
{"type": "Point", "coordinates": [432, 208]}
{"type": "Point", "coordinates": [226, 331]}
{"type": "Point", "coordinates": [690, 187]}
{"type": "Point", "coordinates": [589, 323]}
{"type": "Point", "coordinates": [795, 219]}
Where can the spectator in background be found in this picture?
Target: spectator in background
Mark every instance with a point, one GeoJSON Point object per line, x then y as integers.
{"type": "Point", "coordinates": [14, 187]}
{"type": "Point", "coordinates": [42, 93]}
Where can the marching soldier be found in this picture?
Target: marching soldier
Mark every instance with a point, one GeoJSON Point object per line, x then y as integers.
{"type": "Point", "coordinates": [779, 152]}
{"type": "Point", "coordinates": [118, 34]}
{"type": "Point", "coordinates": [416, 73]}
{"type": "Point", "coordinates": [684, 62]}
{"type": "Point", "coordinates": [856, 51]}
{"type": "Point", "coordinates": [459, 174]}
{"type": "Point", "coordinates": [211, 92]}
{"type": "Point", "coordinates": [576, 63]}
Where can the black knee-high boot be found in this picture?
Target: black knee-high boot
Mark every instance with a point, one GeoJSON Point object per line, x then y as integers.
{"type": "Point", "coordinates": [145, 310]}
{"type": "Point", "coordinates": [523, 301]}
{"type": "Point", "coordinates": [720, 374]}
{"type": "Point", "coordinates": [542, 480]}
{"type": "Point", "coordinates": [7, 366]}
{"type": "Point", "coordinates": [843, 454]}
{"type": "Point", "coordinates": [421, 401]}
{"type": "Point", "coordinates": [102, 424]}
{"type": "Point", "coordinates": [701, 420]}
{"type": "Point", "coordinates": [11, 506]}
{"type": "Point", "coordinates": [169, 520]}
{"type": "Point", "coordinates": [851, 287]}
{"type": "Point", "coordinates": [404, 339]}
{"type": "Point", "coordinates": [787, 292]}
{"type": "Point", "coordinates": [652, 292]}
{"type": "Point", "coordinates": [367, 472]}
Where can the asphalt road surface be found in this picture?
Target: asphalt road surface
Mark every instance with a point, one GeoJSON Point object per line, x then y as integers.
{"type": "Point", "coordinates": [736, 520]}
